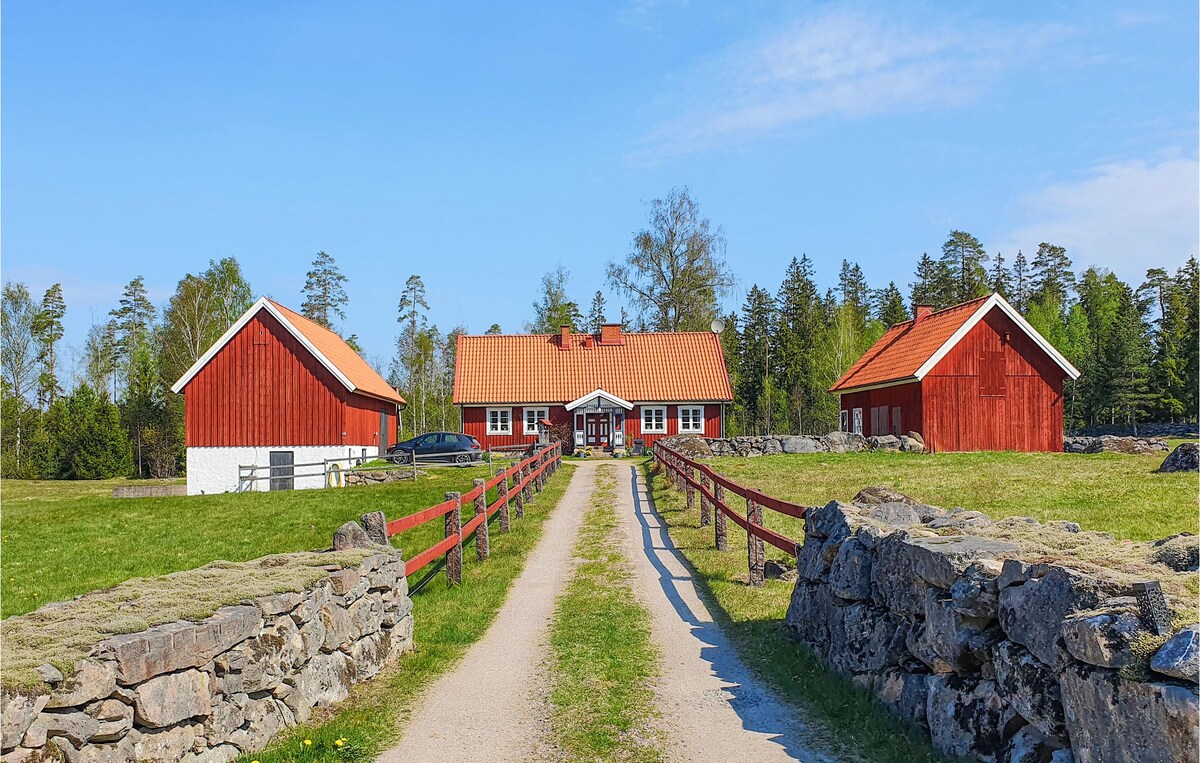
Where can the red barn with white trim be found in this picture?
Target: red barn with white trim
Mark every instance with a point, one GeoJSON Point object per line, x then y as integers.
{"type": "Point", "coordinates": [279, 390]}
{"type": "Point", "coordinates": [607, 388]}
{"type": "Point", "coordinates": [975, 376]}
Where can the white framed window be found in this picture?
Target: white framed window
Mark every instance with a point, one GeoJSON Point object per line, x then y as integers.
{"type": "Point", "coordinates": [691, 418]}
{"type": "Point", "coordinates": [532, 417]}
{"type": "Point", "coordinates": [499, 420]}
{"type": "Point", "coordinates": [654, 419]}
{"type": "Point", "coordinates": [844, 421]}
{"type": "Point", "coordinates": [857, 421]}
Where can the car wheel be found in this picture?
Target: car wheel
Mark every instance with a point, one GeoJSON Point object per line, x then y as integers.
{"type": "Point", "coordinates": [462, 458]}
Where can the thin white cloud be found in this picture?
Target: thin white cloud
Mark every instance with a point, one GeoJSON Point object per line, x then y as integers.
{"type": "Point", "coordinates": [1125, 216]}
{"type": "Point", "coordinates": [839, 63]}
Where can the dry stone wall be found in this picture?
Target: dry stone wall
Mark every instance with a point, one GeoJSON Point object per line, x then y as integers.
{"type": "Point", "coordinates": [973, 630]}
{"type": "Point", "coordinates": [211, 690]}
{"type": "Point", "coordinates": [695, 446]}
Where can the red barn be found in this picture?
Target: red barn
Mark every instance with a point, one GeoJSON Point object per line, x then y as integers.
{"type": "Point", "coordinates": [278, 390]}
{"type": "Point", "coordinates": [975, 376]}
{"type": "Point", "coordinates": [607, 389]}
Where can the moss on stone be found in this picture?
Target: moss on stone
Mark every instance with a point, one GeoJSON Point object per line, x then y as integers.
{"type": "Point", "coordinates": [61, 634]}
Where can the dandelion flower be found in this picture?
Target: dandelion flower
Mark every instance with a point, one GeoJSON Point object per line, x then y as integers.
{"type": "Point", "coordinates": [308, 743]}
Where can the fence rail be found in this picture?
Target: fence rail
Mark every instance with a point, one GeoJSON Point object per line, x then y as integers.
{"type": "Point", "coordinates": [527, 476]}
{"type": "Point", "coordinates": [699, 481]}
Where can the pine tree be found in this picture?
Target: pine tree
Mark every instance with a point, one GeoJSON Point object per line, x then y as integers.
{"type": "Point", "coordinates": [131, 325]}
{"type": "Point", "coordinates": [99, 448]}
{"type": "Point", "coordinates": [595, 317]}
{"type": "Point", "coordinates": [934, 284]}
{"type": "Point", "coordinates": [1187, 279]}
{"type": "Point", "coordinates": [999, 279]}
{"type": "Point", "coordinates": [731, 349]}
{"type": "Point", "coordinates": [852, 285]}
{"type": "Point", "coordinates": [964, 258]}
{"type": "Point", "coordinates": [1020, 282]}
{"type": "Point", "coordinates": [411, 315]}
{"type": "Point", "coordinates": [48, 330]}
{"type": "Point", "coordinates": [799, 326]}
{"type": "Point", "coordinates": [553, 309]}
{"type": "Point", "coordinates": [889, 305]}
{"type": "Point", "coordinates": [324, 292]}
{"type": "Point", "coordinates": [494, 329]}
{"type": "Point", "coordinates": [1052, 273]}
{"type": "Point", "coordinates": [754, 359]}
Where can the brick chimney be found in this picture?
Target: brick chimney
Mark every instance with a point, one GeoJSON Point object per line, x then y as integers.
{"type": "Point", "coordinates": [564, 338]}
{"type": "Point", "coordinates": [921, 312]}
{"type": "Point", "coordinates": [610, 333]}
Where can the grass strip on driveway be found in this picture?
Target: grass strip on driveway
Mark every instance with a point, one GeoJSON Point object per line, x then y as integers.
{"type": "Point", "coordinates": [752, 618]}
{"type": "Point", "coordinates": [447, 622]}
{"type": "Point", "coordinates": [602, 658]}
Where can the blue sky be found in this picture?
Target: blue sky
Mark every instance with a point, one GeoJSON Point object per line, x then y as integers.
{"type": "Point", "coordinates": [481, 145]}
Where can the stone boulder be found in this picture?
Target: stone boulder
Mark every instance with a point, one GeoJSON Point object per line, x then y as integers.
{"type": "Point", "coordinates": [961, 520]}
{"type": "Point", "coordinates": [844, 442]}
{"type": "Point", "coordinates": [1180, 656]}
{"type": "Point", "coordinates": [967, 717]}
{"type": "Point", "coordinates": [689, 445]}
{"type": "Point", "coordinates": [876, 494]}
{"type": "Point", "coordinates": [1179, 552]}
{"type": "Point", "coordinates": [798, 444]}
{"type": "Point", "coordinates": [884, 442]}
{"type": "Point", "coordinates": [1185, 458]}
{"type": "Point", "coordinates": [351, 535]}
{"type": "Point", "coordinates": [1032, 688]}
{"type": "Point", "coordinates": [1106, 637]}
{"type": "Point", "coordinates": [940, 560]}
{"type": "Point", "coordinates": [1129, 445]}
{"type": "Point", "coordinates": [1110, 718]}
{"type": "Point", "coordinates": [1076, 444]}
{"type": "Point", "coordinates": [1033, 613]}
{"type": "Point", "coordinates": [911, 444]}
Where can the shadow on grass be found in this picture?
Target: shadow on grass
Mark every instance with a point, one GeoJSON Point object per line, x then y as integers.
{"type": "Point", "coordinates": [851, 721]}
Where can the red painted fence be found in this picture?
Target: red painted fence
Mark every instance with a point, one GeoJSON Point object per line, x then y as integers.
{"type": "Point", "coordinates": [527, 476]}
{"type": "Point", "coordinates": [696, 479]}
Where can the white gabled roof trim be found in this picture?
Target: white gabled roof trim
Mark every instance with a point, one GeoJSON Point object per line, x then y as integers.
{"type": "Point", "coordinates": [262, 304]}
{"type": "Point", "coordinates": [881, 385]}
{"type": "Point", "coordinates": [996, 301]}
{"type": "Point", "coordinates": [598, 393]}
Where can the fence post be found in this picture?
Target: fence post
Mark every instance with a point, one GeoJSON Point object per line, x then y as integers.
{"type": "Point", "coordinates": [679, 483]}
{"type": "Point", "coordinates": [520, 491]}
{"type": "Point", "coordinates": [720, 521]}
{"type": "Point", "coordinates": [539, 482]}
{"type": "Point", "coordinates": [706, 508]}
{"type": "Point", "coordinates": [689, 489]}
{"type": "Point", "coordinates": [483, 545]}
{"type": "Point", "coordinates": [756, 554]}
{"type": "Point", "coordinates": [502, 491]}
{"type": "Point", "coordinates": [454, 528]}
{"type": "Point", "coordinates": [525, 472]}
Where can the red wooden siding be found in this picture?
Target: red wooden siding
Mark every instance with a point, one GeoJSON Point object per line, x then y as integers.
{"type": "Point", "coordinates": [475, 424]}
{"type": "Point", "coordinates": [906, 397]}
{"type": "Point", "coordinates": [265, 388]}
{"type": "Point", "coordinates": [1016, 407]}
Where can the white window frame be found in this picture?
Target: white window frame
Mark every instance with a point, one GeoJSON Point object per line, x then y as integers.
{"type": "Point", "coordinates": [496, 428]}
{"type": "Point", "coordinates": [844, 420]}
{"type": "Point", "coordinates": [857, 421]}
{"type": "Point", "coordinates": [531, 427]}
{"type": "Point", "coordinates": [662, 416]}
{"type": "Point", "coordinates": [696, 413]}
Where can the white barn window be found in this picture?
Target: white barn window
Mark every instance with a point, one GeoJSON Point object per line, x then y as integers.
{"type": "Point", "coordinates": [654, 419]}
{"type": "Point", "coordinates": [499, 420]}
{"type": "Point", "coordinates": [691, 418]}
{"type": "Point", "coordinates": [532, 417]}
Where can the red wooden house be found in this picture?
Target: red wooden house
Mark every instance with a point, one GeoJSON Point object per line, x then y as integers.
{"type": "Point", "coordinates": [608, 389]}
{"type": "Point", "coordinates": [975, 376]}
{"type": "Point", "coordinates": [275, 391]}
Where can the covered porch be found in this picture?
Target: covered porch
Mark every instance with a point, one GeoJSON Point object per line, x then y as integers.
{"type": "Point", "coordinates": [598, 420]}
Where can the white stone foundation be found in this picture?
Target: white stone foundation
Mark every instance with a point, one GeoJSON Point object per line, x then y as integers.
{"type": "Point", "coordinates": [215, 470]}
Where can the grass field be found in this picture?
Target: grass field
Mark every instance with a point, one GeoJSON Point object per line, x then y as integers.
{"type": "Point", "coordinates": [601, 655]}
{"type": "Point", "coordinates": [1111, 492]}
{"type": "Point", "coordinates": [448, 620]}
{"type": "Point", "coordinates": [1115, 493]}
{"type": "Point", "coordinates": [60, 539]}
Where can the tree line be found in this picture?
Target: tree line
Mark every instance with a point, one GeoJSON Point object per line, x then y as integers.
{"type": "Point", "coordinates": [112, 412]}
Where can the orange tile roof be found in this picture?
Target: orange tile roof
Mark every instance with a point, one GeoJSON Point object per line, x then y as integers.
{"type": "Point", "coordinates": [905, 347]}
{"type": "Point", "coordinates": [530, 368]}
{"type": "Point", "coordinates": [364, 378]}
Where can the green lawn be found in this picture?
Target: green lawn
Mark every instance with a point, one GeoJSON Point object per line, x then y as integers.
{"type": "Point", "coordinates": [1112, 492]}
{"type": "Point", "coordinates": [603, 704]}
{"type": "Point", "coordinates": [61, 539]}
{"type": "Point", "coordinates": [1115, 493]}
{"type": "Point", "coordinates": [448, 620]}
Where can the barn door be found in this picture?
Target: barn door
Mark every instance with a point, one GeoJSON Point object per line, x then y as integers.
{"type": "Point", "coordinates": [281, 469]}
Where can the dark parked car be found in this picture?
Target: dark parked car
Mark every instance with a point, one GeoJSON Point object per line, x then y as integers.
{"type": "Point", "coordinates": [448, 447]}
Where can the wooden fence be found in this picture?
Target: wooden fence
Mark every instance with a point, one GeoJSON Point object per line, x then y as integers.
{"type": "Point", "coordinates": [528, 477]}
{"type": "Point", "coordinates": [698, 480]}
